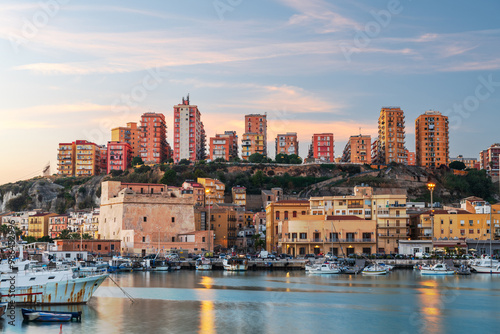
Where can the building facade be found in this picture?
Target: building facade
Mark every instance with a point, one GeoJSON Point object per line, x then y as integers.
{"type": "Point", "coordinates": [128, 134]}
{"type": "Point", "coordinates": [153, 138]}
{"type": "Point", "coordinates": [489, 159]}
{"type": "Point", "coordinates": [412, 160]}
{"type": "Point", "coordinates": [432, 139]}
{"type": "Point", "coordinates": [391, 136]}
{"type": "Point", "coordinates": [66, 158]}
{"type": "Point", "coordinates": [57, 224]}
{"type": "Point", "coordinates": [239, 195]}
{"type": "Point", "coordinates": [470, 163]}
{"type": "Point", "coordinates": [358, 150]}
{"type": "Point", "coordinates": [39, 224]}
{"type": "Point", "coordinates": [224, 146]}
{"type": "Point", "coordinates": [214, 190]}
{"type": "Point", "coordinates": [119, 156]}
{"type": "Point", "coordinates": [287, 143]}
{"type": "Point", "coordinates": [254, 140]}
{"type": "Point", "coordinates": [323, 147]}
{"type": "Point", "coordinates": [189, 132]}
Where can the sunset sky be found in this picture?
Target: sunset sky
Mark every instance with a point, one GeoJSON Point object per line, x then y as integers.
{"type": "Point", "coordinates": [74, 69]}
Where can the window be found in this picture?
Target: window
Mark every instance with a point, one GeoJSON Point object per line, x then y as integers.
{"type": "Point", "coordinates": [294, 236]}
{"type": "Point", "coordinates": [471, 231]}
{"type": "Point", "coordinates": [303, 235]}
{"type": "Point", "coordinates": [99, 247]}
{"type": "Point", "coordinates": [143, 239]}
{"type": "Point", "coordinates": [294, 214]}
{"type": "Point", "coordinates": [277, 215]}
{"type": "Point", "coordinates": [173, 219]}
{"type": "Point", "coordinates": [145, 219]}
{"type": "Point", "coordinates": [203, 239]}
{"type": "Point", "coordinates": [286, 215]}
{"type": "Point", "coordinates": [303, 213]}
{"type": "Point", "coordinates": [173, 239]}
{"type": "Point", "coordinates": [302, 251]}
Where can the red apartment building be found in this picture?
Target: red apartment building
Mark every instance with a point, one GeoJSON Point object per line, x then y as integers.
{"type": "Point", "coordinates": [57, 224]}
{"type": "Point", "coordinates": [287, 143]}
{"type": "Point", "coordinates": [189, 132]}
{"type": "Point", "coordinates": [488, 159]}
{"type": "Point", "coordinates": [323, 147]}
{"type": "Point", "coordinates": [128, 134]}
{"type": "Point", "coordinates": [153, 138]}
{"type": "Point", "coordinates": [412, 160]}
{"type": "Point", "coordinates": [119, 156]}
{"type": "Point", "coordinates": [224, 146]}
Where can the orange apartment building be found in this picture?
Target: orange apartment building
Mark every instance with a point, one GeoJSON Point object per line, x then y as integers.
{"type": "Point", "coordinates": [489, 159]}
{"type": "Point", "coordinates": [432, 139]}
{"type": "Point", "coordinates": [119, 156]}
{"type": "Point", "coordinates": [214, 190]}
{"type": "Point", "coordinates": [323, 147]}
{"type": "Point", "coordinates": [153, 138]}
{"type": "Point", "coordinates": [239, 195]}
{"type": "Point", "coordinates": [66, 159]}
{"type": "Point", "coordinates": [79, 158]}
{"type": "Point", "coordinates": [358, 150]}
{"type": "Point", "coordinates": [128, 134]}
{"type": "Point", "coordinates": [254, 140]}
{"type": "Point", "coordinates": [287, 143]}
{"type": "Point", "coordinates": [224, 146]}
{"type": "Point", "coordinates": [391, 136]}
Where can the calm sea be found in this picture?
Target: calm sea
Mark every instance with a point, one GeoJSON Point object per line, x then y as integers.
{"type": "Point", "coordinates": [280, 302]}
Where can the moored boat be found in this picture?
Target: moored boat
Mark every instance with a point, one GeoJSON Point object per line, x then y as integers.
{"type": "Point", "coordinates": [374, 270]}
{"type": "Point", "coordinates": [50, 316]}
{"type": "Point", "coordinates": [3, 308]}
{"type": "Point", "coordinates": [438, 269]}
{"type": "Point", "coordinates": [495, 269]}
{"type": "Point", "coordinates": [118, 263]}
{"type": "Point", "coordinates": [235, 264]}
{"type": "Point", "coordinates": [323, 268]}
{"type": "Point", "coordinates": [203, 264]}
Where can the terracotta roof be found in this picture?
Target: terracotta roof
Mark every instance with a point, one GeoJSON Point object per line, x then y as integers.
{"type": "Point", "coordinates": [445, 212]}
{"type": "Point", "coordinates": [293, 201]}
{"type": "Point", "coordinates": [343, 218]}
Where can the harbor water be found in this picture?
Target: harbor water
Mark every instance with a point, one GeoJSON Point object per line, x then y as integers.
{"type": "Point", "coordinates": [281, 302]}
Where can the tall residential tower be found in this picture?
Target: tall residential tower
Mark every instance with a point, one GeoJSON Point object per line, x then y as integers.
{"type": "Point", "coordinates": [431, 140]}
{"type": "Point", "coordinates": [189, 132]}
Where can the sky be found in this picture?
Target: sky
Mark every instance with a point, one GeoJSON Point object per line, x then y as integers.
{"type": "Point", "coordinates": [73, 70]}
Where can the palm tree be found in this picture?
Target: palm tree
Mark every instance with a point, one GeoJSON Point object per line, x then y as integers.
{"type": "Point", "coordinates": [64, 234]}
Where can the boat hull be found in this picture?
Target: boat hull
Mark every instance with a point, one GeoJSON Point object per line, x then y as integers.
{"type": "Point", "coordinates": [428, 272]}
{"type": "Point", "coordinates": [235, 267]}
{"type": "Point", "coordinates": [72, 291]}
{"type": "Point", "coordinates": [374, 273]}
{"type": "Point", "coordinates": [487, 270]}
{"type": "Point", "coordinates": [203, 267]}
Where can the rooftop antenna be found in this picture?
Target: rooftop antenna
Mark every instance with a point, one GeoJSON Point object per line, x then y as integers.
{"type": "Point", "coordinates": [188, 99]}
{"type": "Point", "coordinates": [360, 131]}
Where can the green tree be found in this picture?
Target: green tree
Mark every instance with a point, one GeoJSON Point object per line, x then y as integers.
{"type": "Point", "coordinates": [459, 165]}
{"type": "Point", "coordinates": [137, 161]}
{"type": "Point", "coordinates": [142, 169]}
{"type": "Point", "coordinates": [258, 178]}
{"type": "Point", "coordinates": [18, 203]}
{"type": "Point", "coordinates": [256, 158]}
{"type": "Point", "coordinates": [169, 177]}
{"type": "Point", "coordinates": [185, 162]}
{"type": "Point", "coordinates": [294, 159]}
{"type": "Point", "coordinates": [29, 239]}
{"type": "Point", "coordinates": [282, 158]}
{"type": "Point", "coordinates": [65, 234]}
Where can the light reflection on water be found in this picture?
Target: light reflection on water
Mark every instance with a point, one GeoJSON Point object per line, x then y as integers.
{"type": "Point", "coordinates": [279, 302]}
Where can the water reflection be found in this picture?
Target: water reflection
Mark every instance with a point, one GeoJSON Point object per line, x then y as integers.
{"type": "Point", "coordinates": [207, 316]}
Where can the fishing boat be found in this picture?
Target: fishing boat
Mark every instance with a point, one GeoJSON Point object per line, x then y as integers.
{"type": "Point", "coordinates": [50, 316]}
{"type": "Point", "coordinates": [235, 264]}
{"type": "Point", "coordinates": [374, 270]}
{"type": "Point", "coordinates": [438, 269]}
{"type": "Point", "coordinates": [158, 265]}
{"type": "Point", "coordinates": [203, 264]}
{"type": "Point", "coordinates": [385, 266]}
{"type": "Point", "coordinates": [495, 269]}
{"type": "Point", "coordinates": [323, 268]}
{"type": "Point", "coordinates": [118, 263]}
{"type": "Point", "coordinates": [3, 308]}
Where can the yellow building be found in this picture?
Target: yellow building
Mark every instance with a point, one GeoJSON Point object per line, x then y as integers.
{"type": "Point", "coordinates": [66, 159]}
{"type": "Point", "coordinates": [282, 211]}
{"type": "Point", "coordinates": [239, 195]}
{"type": "Point", "coordinates": [386, 207]}
{"type": "Point", "coordinates": [38, 224]}
{"type": "Point", "coordinates": [459, 224]}
{"type": "Point", "coordinates": [87, 158]}
{"type": "Point", "coordinates": [339, 235]}
{"type": "Point", "coordinates": [214, 190]}
{"type": "Point", "coordinates": [252, 143]}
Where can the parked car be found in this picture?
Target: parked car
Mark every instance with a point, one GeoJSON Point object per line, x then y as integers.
{"type": "Point", "coordinates": [222, 255]}
{"type": "Point", "coordinates": [310, 256]}
{"type": "Point", "coordinates": [285, 256]}
{"type": "Point", "coordinates": [271, 257]}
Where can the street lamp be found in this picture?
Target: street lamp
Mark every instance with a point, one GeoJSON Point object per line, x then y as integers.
{"type": "Point", "coordinates": [431, 187]}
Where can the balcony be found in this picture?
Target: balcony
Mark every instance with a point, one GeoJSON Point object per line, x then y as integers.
{"type": "Point", "coordinates": [326, 241]}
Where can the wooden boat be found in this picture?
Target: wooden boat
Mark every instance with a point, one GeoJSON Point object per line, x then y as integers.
{"type": "Point", "coordinates": [50, 316]}
{"type": "Point", "coordinates": [374, 270]}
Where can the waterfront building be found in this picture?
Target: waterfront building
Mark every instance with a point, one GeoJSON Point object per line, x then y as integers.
{"type": "Point", "coordinates": [322, 147]}
{"type": "Point", "coordinates": [254, 140]}
{"type": "Point", "coordinates": [386, 206]}
{"type": "Point", "coordinates": [224, 146]}
{"type": "Point", "coordinates": [214, 190]}
{"type": "Point", "coordinates": [57, 224]}
{"type": "Point", "coordinates": [38, 224]}
{"type": "Point", "coordinates": [189, 132]}
{"type": "Point", "coordinates": [239, 195]}
{"type": "Point", "coordinates": [119, 156]}
{"type": "Point", "coordinates": [432, 139]}
{"type": "Point", "coordinates": [391, 136]}
{"type": "Point", "coordinates": [153, 138]}
{"type": "Point", "coordinates": [100, 247]}
{"type": "Point", "coordinates": [282, 210]}
{"type": "Point", "coordinates": [128, 134]}
{"type": "Point", "coordinates": [222, 225]}
{"type": "Point", "coordinates": [489, 159]}
{"type": "Point", "coordinates": [315, 234]}
{"type": "Point", "coordinates": [358, 150]}
{"type": "Point", "coordinates": [146, 218]}
{"type": "Point", "coordinates": [287, 143]}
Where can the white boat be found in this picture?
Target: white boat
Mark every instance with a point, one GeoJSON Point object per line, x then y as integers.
{"type": "Point", "coordinates": [385, 266]}
{"type": "Point", "coordinates": [374, 270]}
{"type": "Point", "coordinates": [118, 263]}
{"type": "Point", "coordinates": [438, 269]}
{"type": "Point", "coordinates": [48, 287]}
{"type": "Point", "coordinates": [323, 268]}
{"type": "Point", "coordinates": [484, 261]}
{"type": "Point", "coordinates": [235, 264]}
{"type": "Point", "coordinates": [495, 269]}
{"type": "Point", "coordinates": [203, 264]}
